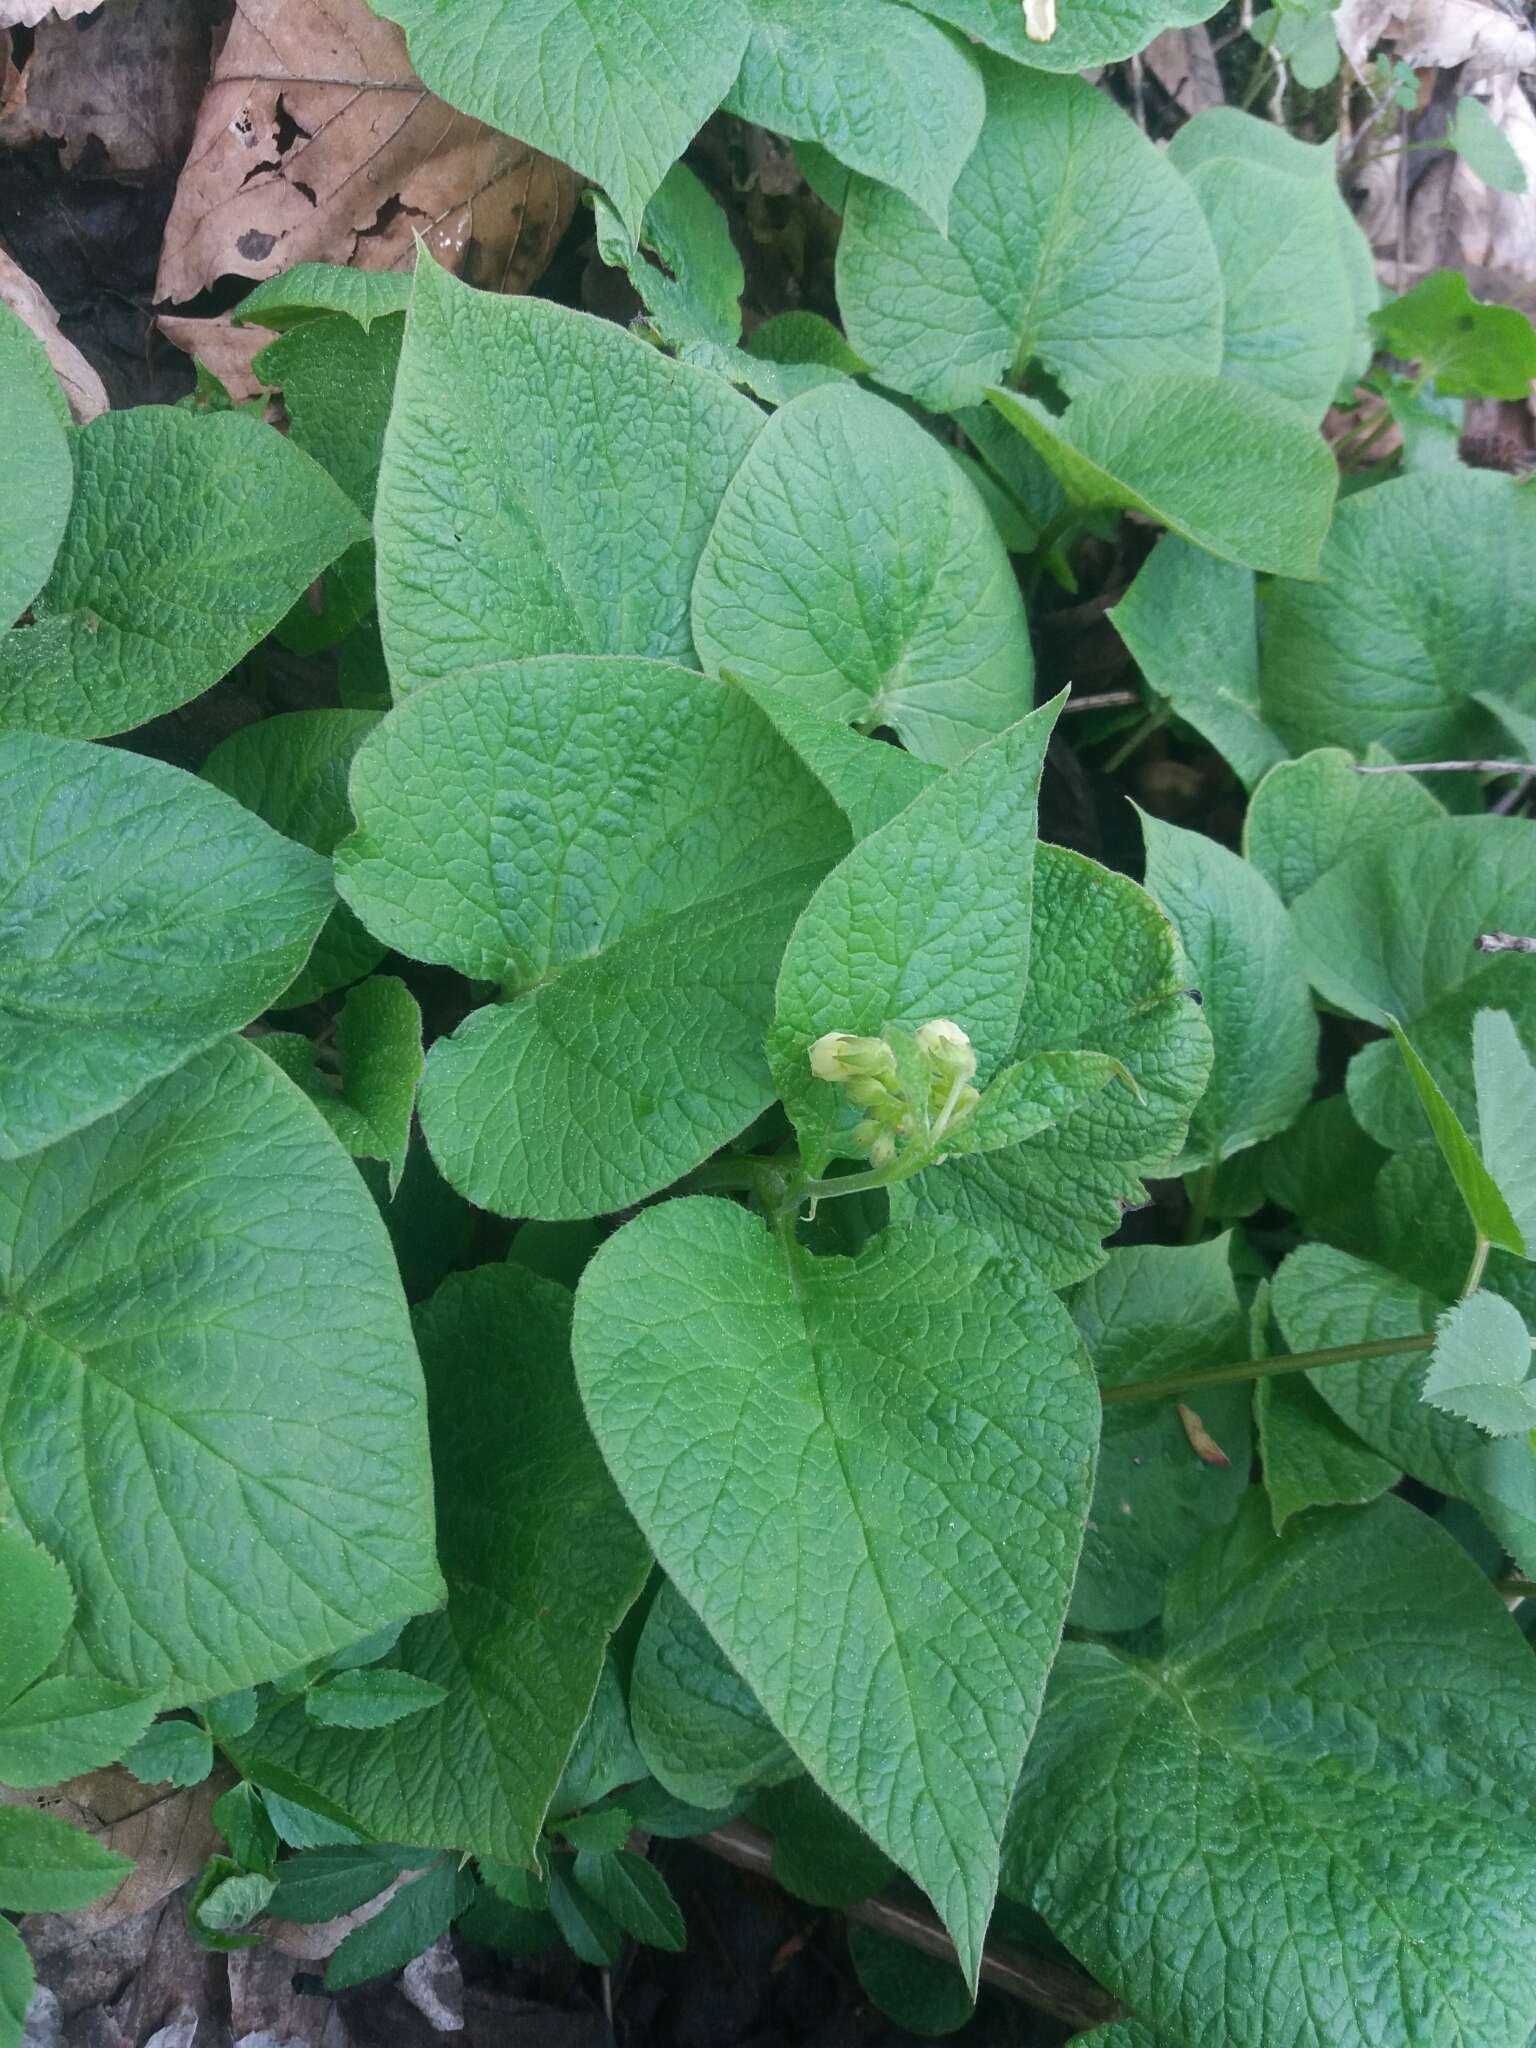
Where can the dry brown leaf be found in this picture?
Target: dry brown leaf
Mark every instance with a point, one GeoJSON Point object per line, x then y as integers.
{"type": "Point", "coordinates": [1437, 34]}
{"type": "Point", "coordinates": [118, 92]}
{"type": "Point", "coordinates": [225, 350]}
{"type": "Point", "coordinates": [317, 142]}
{"type": "Point", "coordinates": [312, 1941]}
{"type": "Point", "coordinates": [28, 13]}
{"type": "Point", "coordinates": [1183, 62]}
{"type": "Point", "coordinates": [168, 1833]}
{"type": "Point", "coordinates": [85, 391]}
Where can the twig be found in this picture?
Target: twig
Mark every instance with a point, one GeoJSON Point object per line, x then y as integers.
{"type": "Point", "coordinates": [1102, 700]}
{"type": "Point", "coordinates": [1050, 1987]}
{"type": "Point", "coordinates": [1505, 942]}
{"type": "Point", "coordinates": [1444, 768]}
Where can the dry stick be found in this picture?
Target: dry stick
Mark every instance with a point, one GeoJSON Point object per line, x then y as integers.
{"type": "Point", "coordinates": [1034, 1979]}
{"type": "Point", "coordinates": [1102, 700]}
{"type": "Point", "coordinates": [1505, 942]}
{"type": "Point", "coordinates": [1444, 767]}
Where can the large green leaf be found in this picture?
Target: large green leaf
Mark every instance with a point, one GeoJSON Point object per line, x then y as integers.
{"type": "Point", "coordinates": [1325, 1297]}
{"type": "Point", "coordinates": [1481, 1364]}
{"type": "Point", "coordinates": [1307, 814]}
{"type": "Point", "coordinates": [145, 916]}
{"type": "Point", "coordinates": [1311, 1456]}
{"type": "Point", "coordinates": [1307, 1824]}
{"type": "Point", "coordinates": [892, 936]}
{"type": "Point", "coordinates": [310, 291]}
{"type": "Point", "coordinates": [190, 536]}
{"type": "Point", "coordinates": [1416, 633]}
{"type": "Point", "coordinates": [370, 1102]}
{"type": "Point", "coordinates": [1236, 470]}
{"type": "Point", "coordinates": [869, 1479]}
{"type": "Point", "coordinates": [548, 483]}
{"type": "Point", "coordinates": [1191, 621]}
{"type": "Point", "coordinates": [38, 1609]}
{"type": "Point", "coordinates": [542, 1562]}
{"type": "Point", "coordinates": [201, 1312]}
{"type": "Point", "coordinates": [1504, 1079]}
{"type": "Point", "coordinates": [40, 473]}
{"type": "Point", "coordinates": [292, 771]}
{"type": "Point", "coordinates": [1289, 326]}
{"type": "Point", "coordinates": [696, 1720]}
{"type": "Point", "coordinates": [1469, 349]}
{"type": "Point", "coordinates": [1087, 32]}
{"type": "Point", "coordinates": [623, 846]}
{"type": "Point", "coordinates": [616, 88]}
{"type": "Point", "coordinates": [1392, 930]}
{"type": "Point", "coordinates": [1477, 1187]}
{"type": "Point", "coordinates": [1149, 1310]}
{"type": "Point", "coordinates": [17, 1981]}
{"type": "Point", "coordinates": [48, 1867]}
{"type": "Point", "coordinates": [1253, 986]}
{"type": "Point", "coordinates": [867, 780]}
{"type": "Point", "coordinates": [1071, 240]}
{"type": "Point", "coordinates": [885, 92]}
{"type": "Point", "coordinates": [853, 565]}
{"type": "Point", "coordinates": [1105, 976]}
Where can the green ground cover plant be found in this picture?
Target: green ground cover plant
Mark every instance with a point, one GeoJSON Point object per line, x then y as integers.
{"type": "Point", "coordinates": [598, 1236]}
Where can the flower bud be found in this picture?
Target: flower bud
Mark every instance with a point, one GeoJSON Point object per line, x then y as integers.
{"type": "Point", "coordinates": [1039, 20]}
{"type": "Point", "coordinates": [883, 1150]}
{"type": "Point", "coordinates": [947, 1049]}
{"type": "Point", "coordinates": [840, 1055]}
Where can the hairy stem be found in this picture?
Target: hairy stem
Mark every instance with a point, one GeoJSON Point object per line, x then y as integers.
{"type": "Point", "coordinates": [1263, 1368]}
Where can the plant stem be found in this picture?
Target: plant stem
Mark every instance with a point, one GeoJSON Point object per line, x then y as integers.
{"type": "Point", "coordinates": [1444, 767]}
{"type": "Point", "coordinates": [1262, 1368]}
{"type": "Point", "coordinates": [1199, 1203]}
{"type": "Point", "coordinates": [1153, 722]}
{"type": "Point", "coordinates": [1474, 1278]}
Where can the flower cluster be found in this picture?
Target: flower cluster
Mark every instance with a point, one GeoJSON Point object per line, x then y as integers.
{"type": "Point", "coordinates": [920, 1096]}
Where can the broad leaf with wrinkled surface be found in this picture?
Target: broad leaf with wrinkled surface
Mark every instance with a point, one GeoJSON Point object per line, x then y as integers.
{"type": "Point", "coordinates": [602, 839]}
{"type": "Point", "coordinates": [189, 537]}
{"type": "Point", "coordinates": [547, 486]}
{"type": "Point", "coordinates": [146, 915]}
{"type": "Point", "coordinates": [1087, 32]}
{"type": "Point", "coordinates": [696, 1721]}
{"type": "Point", "coordinates": [867, 1477]}
{"type": "Point", "coordinates": [540, 1572]}
{"type": "Point", "coordinates": [852, 564]}
{"type": "Point", "coordinates": [1315, 1795]}
{"type": "Point", "coordinates": [1071, 240]}
{"type": "Point", "coordinates": [1307, 814]}
{"type": "Point", "coordinates": [40, 474]}
{"type": "Point", "coordinates": [201, 1310]}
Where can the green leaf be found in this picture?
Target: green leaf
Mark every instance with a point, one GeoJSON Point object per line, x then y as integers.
{"type": "Point", "coordinates": [1483, 146]}
{"type": "Point", "coordinates": [1104, 975]}
{"type": "Point", "coordinates": [1312, 1458]}
{"type": "Point", "coordinates": [172, 1753]}
{"type": "Point", "coordinates": [38, 1609]}
{"type": "Point", "coordinates": [40, 474]}
{"type": "Point", "coordinates": [413, 1919]}
{"type": "Point", "coordinates": [605, 1756]}
{"type": "Point", "coordinates": [147, 916]}
{"type": "Point", "coordinates": [852, 565]}
{"type": "Point", "coordinates": [1235, 470]}
{"type": "Point", "coordinates": [231, 1714]}
{"type": "Point", "coordinates": [600, 1832]}
{"type": "Point", "coordinates": [1290, 318]}
{"type": "Point", "coordinates": [697, 1722]}
{"type": "Point", "coordinates": [202, 1314]}
{"type": "Point", "coordinates": [925, 1996]}
{"type": "Point", "coordinates": [370, 1699]}
{"type": "Point", "coordinates": [1315, 1797]}
{"type": "Point", "coordinates": [885, 92]}
{"type": "Point", "coordinates": [1324, 1169]}
{"type": "Point", "coordinates": [614, 88]}
{"type": "Point", "coordinates": [310, 291]}
{"type": "Point", "coordinates": [1478, 1188]}
{"type": "Point", "coordinates": [1480, 1368]}
{"type": "Point", "coordinates": [291, 770]}
{"type": "Point", "coordinates": [17, 1983]}
{"type": "Point", "coordinates": [585, 1927]}
{"type": "Point", "coordinates": [1307, 814]}
{"type": "Point", "coordinates": [1253, 986]}
{"type": "Point", "coordinates": [818, 1853]}
{"type": "Point", "coordinates": [634, 1895]}
{"type": "Point", "coordinates": [1324, 1297]}
{"type": "Point", "coordinates": [1071, 240]}
{"type": "Point", "coordinates": [1191, 624]}
{"type": "Point", "coordinates": [798, 340]}
{"type": "Point", "coordinates": [378, 1042]}
{"type": "Point", "coordinates": [1470, 349]}
{"type": "Point", "coordinates": [519, 1647]}
{"type": "Point", "coordinates": [1504, 1077]}
{"type": "Point", "coordinates": [867, 780]}
{"type": "Point", "coordinates": [697, 836]}
{"type": "Point", "coordinates": [1032, 1095]}
{"type": "Point", "coordinates": [558, 1251]}
{"type": "Point", "coordinates": [241, 1817]}
{"type": "Point", "coordinates": [1371, 951]}
{"type": "Point", "coordinates": [1088, 32]}
{"type": "Point", "coordinates": [548, 484]}
{"type": "Point", "coordinates": [890, 936]}
{"type": "Point", "coordinates": [1150, 1310]}
{"type": "Point", "coordinates": [62, 1726]}
{"type": "Point", "coordinates": [692, 289]}
{"type": "Point", "coordinates": [142, 614]}
{"type": "Point", "coordinates": [232, 1900]}
{"type": "Point", "coordinates": [46, 1867]}
{"type": "Point", "coordinates": [1413, 634]}
{"type": "Point", "coordinates": [322, 1884]}
{"type": "Point", "coordinates": [806, 1505]}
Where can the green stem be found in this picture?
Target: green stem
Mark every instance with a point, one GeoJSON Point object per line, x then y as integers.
{"type": "Point", "coordinates": [1262, 1368]}
{"type": "Point", "coordinates": [1153, 722]}
{"type": "Point", "coordinates": [1474, 1278]}
{"type": "Point", "coordinates": [1199, 1203]}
